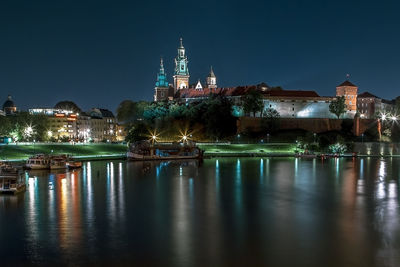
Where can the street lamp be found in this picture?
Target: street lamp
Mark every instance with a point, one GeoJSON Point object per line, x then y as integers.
{"type": "Point", "coordinates": [394, 118]}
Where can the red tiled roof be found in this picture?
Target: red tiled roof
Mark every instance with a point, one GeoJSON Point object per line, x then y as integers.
{"type": "Point", "coordinates": [346, 83]}
{"type": "Point", "coordinates": [367, 94]}
{"type": "Point", "coordinates": [292, 93]}
{"type": "Point", "coordinates": [242, 90]}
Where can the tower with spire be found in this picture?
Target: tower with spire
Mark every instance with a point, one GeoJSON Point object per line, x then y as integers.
{"type": "Point", "coordinates": [161, 89]}
{"type": "Point", "coordinates": [211, 80]}
{"type": "Point", "coordinates": [181, 74]}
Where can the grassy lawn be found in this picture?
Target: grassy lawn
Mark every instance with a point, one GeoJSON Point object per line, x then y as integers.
{"type": "Point", "coordinates": [10, 152]}
{"type": "Point", "coordinates": [249, 148]}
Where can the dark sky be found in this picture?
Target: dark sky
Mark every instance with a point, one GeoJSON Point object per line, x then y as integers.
{"type": "Point", "coordinates": [98, 53]}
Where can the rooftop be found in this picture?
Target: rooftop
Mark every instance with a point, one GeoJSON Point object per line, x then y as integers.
{"type": "Point", "coordinates": [347, 83]}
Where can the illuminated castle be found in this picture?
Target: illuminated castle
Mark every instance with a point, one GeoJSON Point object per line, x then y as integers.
{"type": "Point", "coordinates": [165, 91]}
{"type": "Point", "coordinates": [288, 103]}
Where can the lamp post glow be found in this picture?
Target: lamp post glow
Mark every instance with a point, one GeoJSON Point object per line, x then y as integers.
{"type": "Point", "coordinates": [393, 118]}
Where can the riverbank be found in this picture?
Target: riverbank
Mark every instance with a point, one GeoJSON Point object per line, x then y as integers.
{"type": "Point", "coordinates": [249, 150]}
{"type": "Point", "coordinates": [21, 152]}
{"type": "Point", "coordinates": [81, 151]}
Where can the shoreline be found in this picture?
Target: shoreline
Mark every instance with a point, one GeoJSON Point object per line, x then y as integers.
{"type": "Point", "coordinates": [216, 155]}
{"type": "Point", "coordinates": [95, 152]}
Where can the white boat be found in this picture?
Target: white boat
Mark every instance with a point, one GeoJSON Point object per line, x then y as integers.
{"type": "Point", "coordinates": [38, 162]}
{"type": "Point", "coordinates": [12, 180]}
{"type": "Point", "coordinates": [145, 151]}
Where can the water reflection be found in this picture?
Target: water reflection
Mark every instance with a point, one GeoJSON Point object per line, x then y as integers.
{"type": "Point", "coordinates": [219, 212]}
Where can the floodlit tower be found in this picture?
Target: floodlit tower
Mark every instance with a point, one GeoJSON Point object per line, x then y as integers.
{"type": "Point", "coordinates": [161, 89]}
{"type": "Point", "coordinates": [181, 76]}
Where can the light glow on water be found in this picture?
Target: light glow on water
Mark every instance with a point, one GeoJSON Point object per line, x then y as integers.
{"type": "Point", "coordinates": [210, 212]}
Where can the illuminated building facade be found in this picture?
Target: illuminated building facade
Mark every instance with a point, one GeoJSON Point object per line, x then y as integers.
{"type": "Point", "coordinates": [161, 91]}
{"type": "Point", "coordinates": [349, 91]}
{"type": "Point", "coordinates": [103, 125]}
{"type": "Point", "coordinates": [369, 105]}
{"type": "Point", "coordinates": [181, 74]}
{"type": "Point", "coordinates": [97, 125]}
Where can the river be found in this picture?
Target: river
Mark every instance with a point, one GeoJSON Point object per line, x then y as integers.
{"type": "Point", "coordinates": [221, 212]}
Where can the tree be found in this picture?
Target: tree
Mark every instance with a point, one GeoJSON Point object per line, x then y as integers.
{"type": "Point", "coordinates": [397, 103]}
{"type": "Point", "coordinates": [270, 121]}
{"type": "Point", "coordinates": [338, 107]}
{"type": "Point", "coordinates": [218, 118]}
{"type": "Point", "coordinates": [68, 105]}
{"type": "Point", "coordinates": [139, 131]}
{"type": "Point", "coordinates": [129, 111]}
{"type": "Point", "coordinates": [252, 102]}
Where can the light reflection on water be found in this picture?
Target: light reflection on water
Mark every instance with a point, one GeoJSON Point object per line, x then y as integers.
{"type": "Point", "coordinates": [221, 212]}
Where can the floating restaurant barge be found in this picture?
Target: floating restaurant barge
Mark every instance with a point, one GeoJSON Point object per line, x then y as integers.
{"type": "Point", "coordinates": [144, 150]}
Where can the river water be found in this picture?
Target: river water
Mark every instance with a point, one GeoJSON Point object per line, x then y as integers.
{"type": "Point", "coordinates": [222, 212]}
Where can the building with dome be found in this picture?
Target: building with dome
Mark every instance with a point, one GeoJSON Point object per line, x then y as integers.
{"type": "Point", "coordinates": [9, 107]}
{"type": "Point", "coordinates": [165, 91]}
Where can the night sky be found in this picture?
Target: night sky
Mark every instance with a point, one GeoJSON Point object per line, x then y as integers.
{"type": "Point", "coordinates": [98, 53]}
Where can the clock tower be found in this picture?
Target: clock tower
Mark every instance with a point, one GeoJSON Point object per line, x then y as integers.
{"type": "Point", "coordinates": [181, 75]}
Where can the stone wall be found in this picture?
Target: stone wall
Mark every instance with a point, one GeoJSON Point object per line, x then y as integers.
{"type": "Point", "coordinates": [311, 125]}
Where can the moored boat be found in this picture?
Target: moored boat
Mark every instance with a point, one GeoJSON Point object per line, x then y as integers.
{"type": "Point", "coordinates": [12, 180]}
{"type": "Point", "coordinates": [38, 162]}
{"type": "Point", "coordinates": [144, 150]}
{"type": "Point", "coordinates": [58, 162]}
{"type": "Point", "coordinates": [74, 164]}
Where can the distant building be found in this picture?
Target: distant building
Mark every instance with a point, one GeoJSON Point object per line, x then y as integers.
{"type": "Point", "coordinates": [49, 111]}
{"type": "Point", "coordinates": [288, 103]}
{"type": "Point", "coordinates": [349, 91]}
{"type": "Point", "coordinates": [103, 125]}
{"type": "Point", "coordinates": [63, 125]}
{"type": "Point", "coordinates": [9, 107]}
{"type": "Point", "coordinates": [369, 105]}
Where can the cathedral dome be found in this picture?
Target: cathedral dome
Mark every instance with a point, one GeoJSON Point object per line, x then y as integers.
{"type": "Point", "coordinates": [9, 103]}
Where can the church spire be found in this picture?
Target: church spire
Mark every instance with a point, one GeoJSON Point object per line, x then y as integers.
{"type": "Point", "coordinates": [162, 71]}
{"type": "Point", "coordinates": [162, 76]}
{"type": "Point", "coordinates": [211, 79]}
{"type": "Point", "coordinates": [181, 42]}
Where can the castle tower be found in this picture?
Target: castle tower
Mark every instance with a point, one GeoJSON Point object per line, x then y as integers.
{"type": "Point", "coordinates": [349, 91]}
{"type": "Point", "coordinates": [161, 89]}
{"type": "Point", "coordinates": [181, 76]}
{"type": "Point", "coordinates": [211, 80]}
